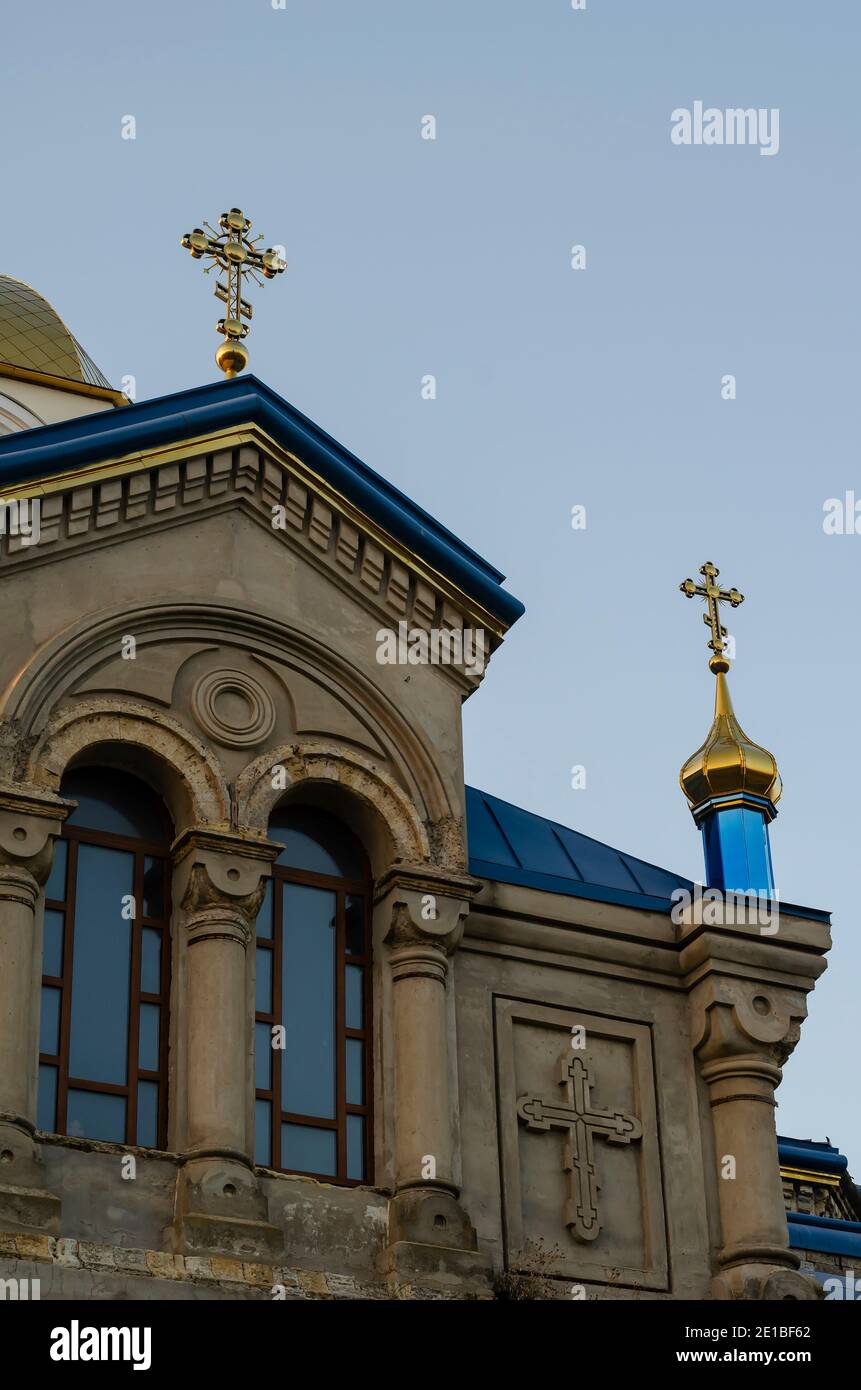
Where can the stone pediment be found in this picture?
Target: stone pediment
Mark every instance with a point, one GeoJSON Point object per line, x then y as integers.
{"type": "Point", "coordinates": [397, 563]}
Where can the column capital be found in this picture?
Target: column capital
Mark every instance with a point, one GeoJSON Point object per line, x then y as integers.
{"type": "Point", "coordinates": [220, 879]}
{"type": "Point", "coordinates": [30, 818]}
{"type": "Point", "coordinates": [745, 1026]}
{"type": "Point", "coordinates": [427, 909]}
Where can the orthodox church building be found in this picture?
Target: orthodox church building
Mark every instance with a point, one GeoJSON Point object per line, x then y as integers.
{"type": "Point", "coordinates": [286, 1009]}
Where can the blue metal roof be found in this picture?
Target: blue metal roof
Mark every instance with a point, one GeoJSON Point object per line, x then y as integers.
{"type": "Point", "coordinates": [811, 1153]}
{"type": "Point", "coordinates": [510, 845]}
{"type": "Point", "coordinates": [229, 404]}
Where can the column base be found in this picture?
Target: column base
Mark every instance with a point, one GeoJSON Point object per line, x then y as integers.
{"type": "Point", "coordinates": [430, 1216]}
{"type": "Point", "coordinates": [765, 1283]}
{"type": "Point", "coordinates": [222, 1211]}
{"type": "Point", "coordinates": [26, 1205]}
{"type": "Point", "coordinates": [432, 1243]}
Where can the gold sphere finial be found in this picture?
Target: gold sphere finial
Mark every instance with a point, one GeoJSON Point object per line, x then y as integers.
{"type": "Point", "coordinates": [231, 356]}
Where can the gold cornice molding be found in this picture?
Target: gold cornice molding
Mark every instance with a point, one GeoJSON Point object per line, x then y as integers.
{"type": "Point", "coordinates": [252, 435]}
{"type": "Point", "coordinates": [810, 1175]}
{"type": "Point", "coordinates": [62, 383]}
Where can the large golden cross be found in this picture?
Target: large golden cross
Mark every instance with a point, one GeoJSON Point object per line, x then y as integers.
{"type": "Point", "coordinates": [713, 595]}
{"type": "Point", "coordinates": [233, 252]}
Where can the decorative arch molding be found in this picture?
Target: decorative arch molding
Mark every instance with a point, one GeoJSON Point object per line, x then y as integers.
{"type": "Point", "coordinates": [352, 777]}
{"type": "Point", "coordinates": [142, 740]}
{"type": "Point", "coordinates": [65, 661]}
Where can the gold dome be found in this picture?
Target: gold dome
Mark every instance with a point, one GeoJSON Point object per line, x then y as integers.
{"type": "Point", "coordinates": [35, 345]}
{"type": "Point", "coordinates": [729, 763]}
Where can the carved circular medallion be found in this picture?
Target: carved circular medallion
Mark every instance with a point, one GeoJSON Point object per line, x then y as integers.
{"type": "Point", "coordinates": [233, 708]}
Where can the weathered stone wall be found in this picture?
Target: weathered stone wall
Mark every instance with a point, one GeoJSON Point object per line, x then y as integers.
{"type": "Point", "coordinates": [475, 1002]}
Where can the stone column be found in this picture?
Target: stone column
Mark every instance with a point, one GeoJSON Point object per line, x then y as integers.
{"type": "Point", "coordinates": [219, 881]}
{"type": "Point", "coordinates": [29, 821]}
{"type": "Point", "coordinates": [431, 1238]}
{"type": "Point", "coordinates": [746, 1019]}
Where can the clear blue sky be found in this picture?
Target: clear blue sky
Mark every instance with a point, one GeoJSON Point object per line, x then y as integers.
{"type": "Point", "coordinates": [555, 387]}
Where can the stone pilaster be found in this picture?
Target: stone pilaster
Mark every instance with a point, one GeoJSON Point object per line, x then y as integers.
{"type": "Point", "coordinates": [748, 1001]}
{"type": "Point", "coordinates": [430, 1235]}
{"type": "Point", "coordinates": [219, 881]}
{"type": "Point", "coordinates": [29, 821]}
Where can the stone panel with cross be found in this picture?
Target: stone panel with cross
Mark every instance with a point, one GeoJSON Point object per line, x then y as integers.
{"type": "Point", "coordinates": [581, 1179]}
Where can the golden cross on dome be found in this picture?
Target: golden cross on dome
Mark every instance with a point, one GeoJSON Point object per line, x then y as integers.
{"type": "Point", "coordinates": [233, 252]}
{"type": "Point", "coordinates": [713, 595]}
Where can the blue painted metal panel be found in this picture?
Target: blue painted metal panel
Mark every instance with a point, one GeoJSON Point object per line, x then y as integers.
{"type": "Point", "coordinates": [736, 850]}
{"type": "Point", "coordinates": [824, 1233]}
{"type": "Point", "coordinates": [511, 845]}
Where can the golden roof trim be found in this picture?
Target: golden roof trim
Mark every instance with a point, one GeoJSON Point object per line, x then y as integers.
{"type": "Point", "coordinates": [810, 1175]}
{"type": "Point", "coordinates": [63, 383]}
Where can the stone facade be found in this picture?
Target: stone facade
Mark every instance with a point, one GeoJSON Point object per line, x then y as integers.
{"type": "Point", "coordinates": [596, 1167]}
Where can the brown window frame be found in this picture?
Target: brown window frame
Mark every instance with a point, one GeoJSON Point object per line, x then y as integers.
{"type": "Point", "coordinates": [141, 850]}
{"type": "Point", "coordinates": [343, 888]}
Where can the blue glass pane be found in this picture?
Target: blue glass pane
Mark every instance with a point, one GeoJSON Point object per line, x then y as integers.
{"type": "Point", "coordinates": [308, 1002]}
{"type": "Point", "coordinates": [150, 961]}
{"type": "Point", "coordinates": [153, 887]}
{"type": "Point", "coordinates": [46, 1112]}
{"type": "Point", "coordinates": [148, 1114]}
{"type": "Point", "coordinates": [355, 1072]}
{"type": "Point", "coordinates": [353, 1002]}
{"type": "Point", "coordinates": [263, 1056]}
{"type": "Point", "coordinates": [56, 885]}
{"type": "Point", "coordinates": [264, 916]}
{"type": "Point", "coordinates": [49, 1030]}
{"type": "Point", "coordinates": [316, 842]}
{"type": "Point", "coordinates": [93, 1115]}
{"type": "Point", "coordinates": [356, 1148]}
{"type": "Point", "coordinates": [148, 1054]}
{"type": "Point", "coordinates": [308, 1150]}
{"type": "Point", "coordinates": [116, 802]}
{"type": "Point", "coordinates": [264, 981]}
{"type": "Point", "coordinates": [262, 1132]}
{"type": "Point", "coordinates": [354, 926]}
{"type": "Point", "coordinates": [53, 955]}
{"type": "Point", "coordinates": [101, 966]}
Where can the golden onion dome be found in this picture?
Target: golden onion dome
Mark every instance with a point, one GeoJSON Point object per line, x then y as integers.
{"type": "Point", "coordinates": [36, 345]}
{"type": "Point", "coordinates": [729, 763]}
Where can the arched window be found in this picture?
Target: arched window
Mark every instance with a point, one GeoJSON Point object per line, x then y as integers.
{"type": "Point", "coordinates": [313, 1109]}
{"type": "Point", "coordinates": [104, 1025]}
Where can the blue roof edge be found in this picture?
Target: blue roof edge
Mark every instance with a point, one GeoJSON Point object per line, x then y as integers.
{"type": "Point", "coordinates": [824, 1233]}
{"type": "Point", "coordinates": [51, 449]}
{"type": "Point", "coordinates": [804, 1153]}
{"type": "Point", "coordinates": [568, 887]}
